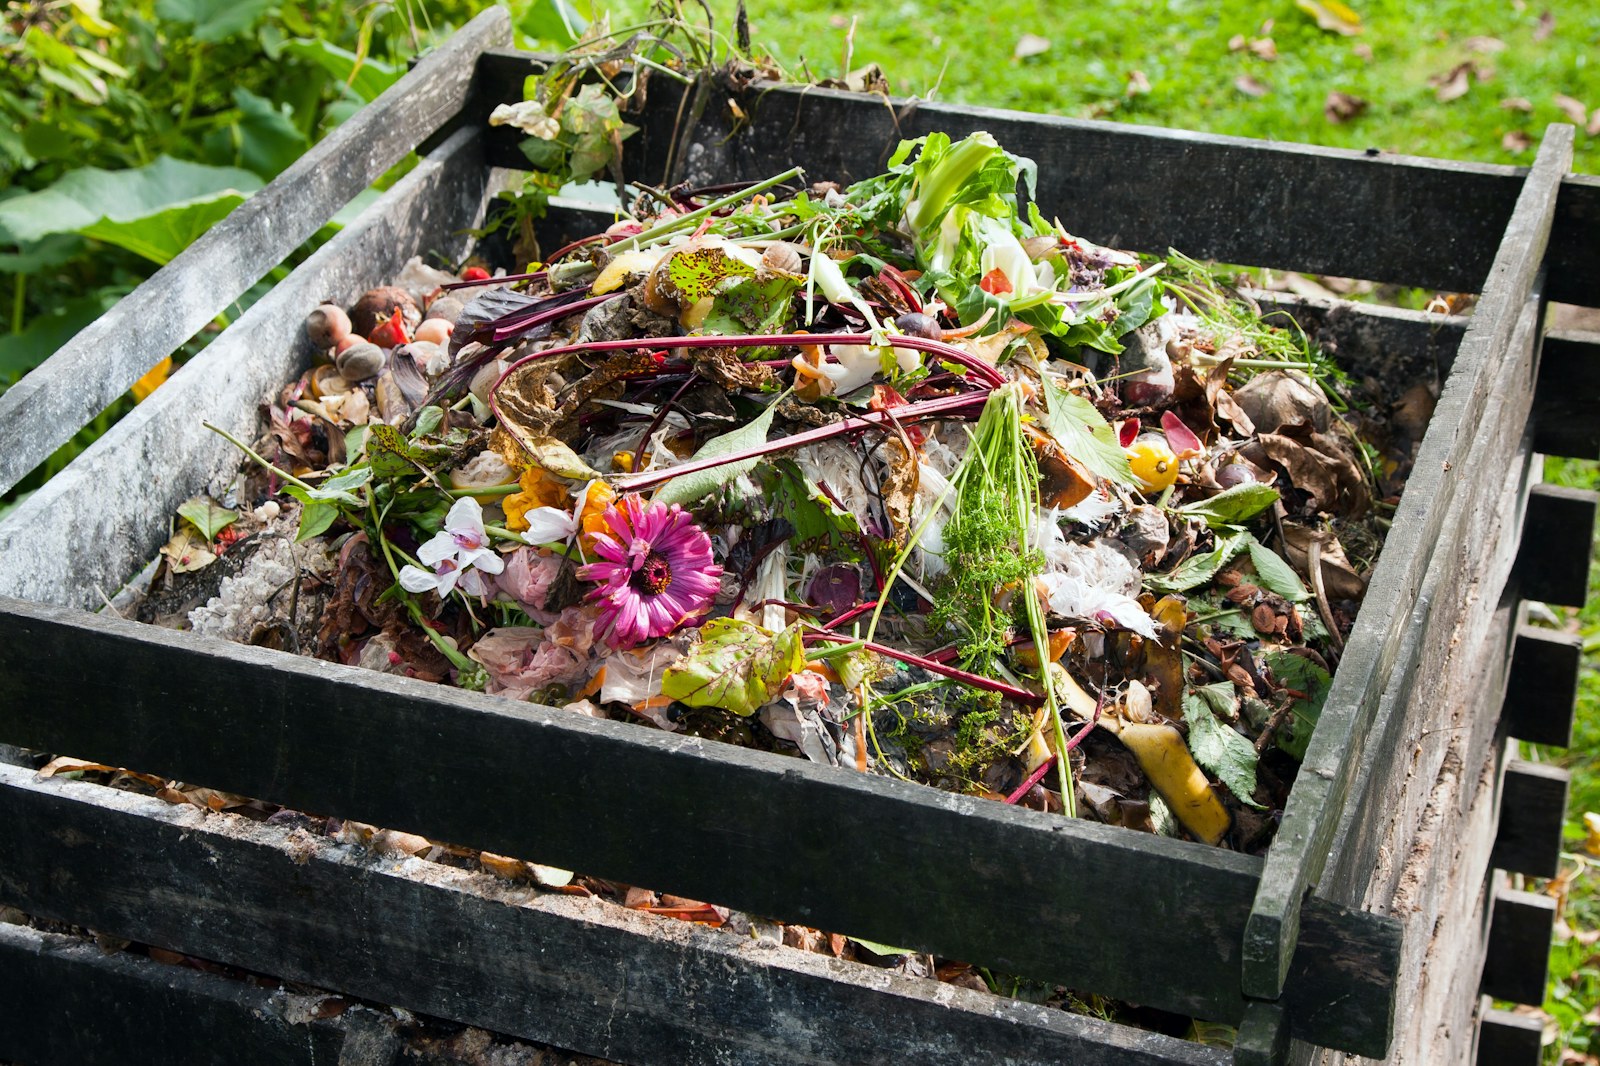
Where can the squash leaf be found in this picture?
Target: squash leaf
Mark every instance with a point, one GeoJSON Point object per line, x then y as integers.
{"type": "Point", "coordinates": [737, 666]}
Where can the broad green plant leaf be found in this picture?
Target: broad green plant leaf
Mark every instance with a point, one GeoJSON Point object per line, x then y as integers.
{"type": "Point", "coordinates": [1302, 675]}
{"type": "Point", "coordinates": [1198, 569]}
{"type": "Point", "coordinates": [690, 487]}
{"type": "Point", "coordinates": [156, 210]}
{"type": "Point", "coordinates": [737, 666]}
{"type": "Point", "coordinates": [1084, 434]}
{"type": "Point", "coordinates": [1233, 506]}
{"type": "Point", "coordinates": [555, 21]}
{"type": "Point", "coordinates": [315, 515]}
{"type": "Point", "coordinates": [268, 140]}
{"type": "Point", "coordinates": [1275, 574]}
{"type": "Point", "coordinates": [207, 515]}
{"type": "Point", "coordinates": [1217, 747]}
{"type": "Point", "coordinates": [214, 20]}
{"type": "Point", "coordinates": [820, 525]}
{"type": "Point", "coordinates": [366, 77]}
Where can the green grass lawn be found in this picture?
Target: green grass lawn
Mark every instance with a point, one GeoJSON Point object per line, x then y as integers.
{"type": "Point", "coordinates": [1189, 76]}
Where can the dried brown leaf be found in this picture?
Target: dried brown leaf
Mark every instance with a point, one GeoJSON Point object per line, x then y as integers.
{"type": "Point", "coordinates": [1333, 16]}
{"type": "Point", "coordinates": [1238, 42]}
{"type": "Point", "coordinates": [1516, 103]}
{"type": "Point", "coordinates": [1575, 110]}
{"type": "Point", "coordinates": [1251, 87]}
{"type": "Point", "coordinates": [1546, 26]}
{"type": "Point", "coordinates": [1265, 48]}
{"type": "Point", "coordinates": [1342, 107]}
{"type": "Point", "coordinates": [1453, 83]}
{"type": "Point", "coordinates": [1516, 141]}
{"type": "Point", "coordinates": [1138, 84]}
{"type": "Point", "coordinates": [1484, 45]}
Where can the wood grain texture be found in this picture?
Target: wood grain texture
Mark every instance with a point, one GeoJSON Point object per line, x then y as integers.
{"type": "Point", "coordinates": [1543, 688]}
{"type": "Point", "coordinates": [1557, 536]}
{"type": "Point", "coordinates": [564, 970]}
{"type": "Point", "coordinates": [961, 877]}
{"type": "Point", "coordinates": [1333, 761]}
{"type": "Point", "coordinates": [67, 1001]}
{"type": "Point", "coordinates": [96, 523]}
{"type": "Point", "coordinates": [1506, 1038]}
{"type": "Point", "coordinates": [1518, 962]}
{"type": "Point", "coordinates": [1424, 222]}
{"type": "Point", "coordinates": [91, 371]}
{"type": "Point", "coordinates": [1533, 805]}
{"type": "Point", "coordinates": [1566, 407]}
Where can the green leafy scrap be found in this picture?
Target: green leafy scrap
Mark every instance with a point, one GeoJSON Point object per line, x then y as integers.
{"type": "Point", "coordinates": [1215, 745]}
{"type": "Point", "coordinates": [737, 666]}
{"type": "Point", "coordinates": [207, 516]}
{"type": "Point", "coordinates": [1275, 574]}
{"type": "Point", "coordinates": [820, 525]}
{"type": "Point", "coordinates": [1199, 569]}
{"type": "Point", "coordinates": [762, 303]}
{"type": "Point", "coordinates": [1302, 675]}
{"type": "Point", "coordinates": [1084, 433]}
{"type": "Point", "coordinates": [1232, 506]}
{"type": "Point", "coordinates": [690, 487]}
{"type": "Point", "coordinates": [698, 272]}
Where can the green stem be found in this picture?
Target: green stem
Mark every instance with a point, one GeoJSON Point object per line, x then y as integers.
{"type": "Point", "coordinates": [196, 62]}
{"type": "Point", "coordinates": [817, 654]}
{"type": "Point", "coordinates": [243, 447]}
{"type": "Point", "coordinates": [18, 302]}
{"type": "Point", "coordinates": [673, 225]}
{"type": "Point", "coordinates": [448, 650]}
{"type": "Point", "coordinates": [502, 533]}
{"type": "Point", "coordinates": [492, 490]}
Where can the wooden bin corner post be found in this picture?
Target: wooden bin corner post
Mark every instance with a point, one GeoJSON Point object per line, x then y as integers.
{"type": "Point", "coordinates": [1449, 465]}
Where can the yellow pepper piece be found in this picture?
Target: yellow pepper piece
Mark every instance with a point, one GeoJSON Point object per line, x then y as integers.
{"type": "Point", "coordinates": [539, 489]}
{"type": "Point", "coordinates": [152, 380]}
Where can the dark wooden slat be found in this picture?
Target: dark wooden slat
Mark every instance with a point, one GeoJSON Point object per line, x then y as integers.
{"type": "Point", "coordinates": [1566, 406]}
{"type": "Point", "coordinates": [102, 518]}
{"type": "Point", "coordinates": [1333, 761]}
{"type": "Point", "coordinates": [1263, 1038]}
{"type": "Point", "coordinates": [1423, 222]}
{"type": "Point", "coordinates": [1557, 537]}
{"type": "Point", "coordinates": [67, 1001]}
{"type": "Point", "coordinates": [97, 366]}
{"type": "Point", "coordinates": [1543, 687]}
{"type": "Point", "coordinates": [1506, 1038]}
{"type": "Point", "coordinates": [1518, 962]}
{"type": "Point", "coordinates": [1370, 339]}
{"type": "Point", "coordinates": [838, 850]}
{"type": "Point", "coordinates": [559, 969]}
{"type": "Point", "coordinates": [1533, 805]}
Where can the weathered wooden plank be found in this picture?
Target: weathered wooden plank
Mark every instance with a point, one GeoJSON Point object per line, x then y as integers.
{"type": "Point", "coordinates": [565, 970]}
{"type": "Point", "coordinates": [1332, 763]}
{"type": "Point", "coordinates": [834, 849]}
{"type": "Point", "coordinates": [1557, 537]}
{"type": "Point", "coordinates": [1423, 222]}
{"type": "Point", "coordinates": [1388, 343]}
{"type": "Point", "coordinates": [91, 371]}
{"type": "Point", "coordinates": [1263, 1038]}
{"type": "Point", "coordinates": [1543, 689]}
{"type": "Point", "coordinates": [67, 1001]}
{"type": "Point", "coordinates": [1533, 805]}
{"type": "Point", "coordinates": [1566, 405]}
{"type": "Point", "coordinates": [1506, 1038]}
{"type": "Point", "coordinates": [1518, 962]}
{"type": "Point", "coordinates": [102, 518]}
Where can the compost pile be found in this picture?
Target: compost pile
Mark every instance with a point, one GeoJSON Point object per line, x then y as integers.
{"type": "Point", "coordinates": [900, 478]}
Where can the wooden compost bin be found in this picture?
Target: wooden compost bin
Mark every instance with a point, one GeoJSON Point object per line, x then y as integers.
{"type": "Point", "coordinates": [1370, 926]}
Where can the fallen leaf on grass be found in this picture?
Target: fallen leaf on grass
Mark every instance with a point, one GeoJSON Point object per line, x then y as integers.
{"type": "Point", "coordinates": [1238, 42]}
{"type": "Point", "coordinates": [1265, 48]}
{"type": "Point", "coordinates": [1546, 26]}
{"type": "Point", "coordinates": [1484, 45]}
{"type": "Point", "coordinates": [1342, 107]}
{"type": "Point", "coordinates": [1452, 84]}
{"type": "Point", "coordinates": [1516, 103]}
{"type": "Point", "coordinates": [1030, 44]}
{"type": "Point", "coordinates": [1362, 50]}
{"type": "Point", "coordinates": [1138, 84]}
{"type": "Point", "coordinates": [1576, 110]}
{"type": "Point", "coordinates": [1332, 16]}
{"type": "Point", "coordinates": [1516, 141]}
{"type": "Point", "coordinates": [1251, 87]}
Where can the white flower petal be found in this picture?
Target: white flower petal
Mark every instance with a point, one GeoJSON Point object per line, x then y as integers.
{"type": "Point", "coordinates": [548, 525]}
{"type": "Point", "coordinates": [465, 517]}
{"type": "Point", "coordinates": [415, 580]}
{"type": "Point", "coordinates": [486, 559]}
{"type": "Point", "coordinates": [437, 550]}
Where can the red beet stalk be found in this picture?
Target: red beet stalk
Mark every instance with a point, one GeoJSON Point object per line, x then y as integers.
{"type": "Point", "coordinates": [966, 677]}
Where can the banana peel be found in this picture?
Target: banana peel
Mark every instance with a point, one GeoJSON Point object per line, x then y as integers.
{"type": "Point", "coordinates": [1173, 773]}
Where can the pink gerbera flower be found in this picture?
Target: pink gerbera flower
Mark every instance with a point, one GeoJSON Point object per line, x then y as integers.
{"type": "Point", "coordinates": [655, 571]}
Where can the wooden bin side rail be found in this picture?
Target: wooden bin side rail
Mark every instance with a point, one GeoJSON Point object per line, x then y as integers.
{"type": "Point", "coordinates": [511, 958]}
{"type": "Point", "coordinates": [965, 878]}
{"type": "Point", "coordinates": [89, 373]}
{"type": "Point", "coordinates": [1411, 221]}
{"type": "Point", "coordinates": [1443, 466]}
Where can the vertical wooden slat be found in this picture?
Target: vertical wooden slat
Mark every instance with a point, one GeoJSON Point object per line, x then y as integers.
{"type": "Point", "coordinates": [1566, 402]}
{"type": "Point", "coordinates": [1506, 1038]}
{"type": "Point", "coordinates": [1557, 536]}
{"type": "Point", "coordinates": [1533, 806]}
{"type": "Point", "coordinates": [1543, 687]}
{"type": "Point", "coordinates": [1518, 961]}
